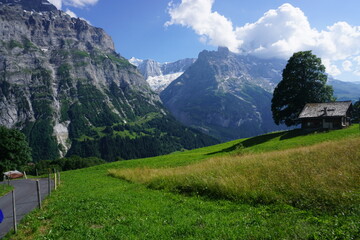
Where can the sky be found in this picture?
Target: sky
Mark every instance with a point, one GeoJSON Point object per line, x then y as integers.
{"type": "Point", "coordinates": [166, 31]}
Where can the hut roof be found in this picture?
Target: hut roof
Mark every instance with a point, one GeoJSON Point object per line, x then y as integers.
{"type": "Point", "coordinates": [331, 109]}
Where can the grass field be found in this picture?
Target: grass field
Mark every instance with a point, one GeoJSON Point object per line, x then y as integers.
{"type": "Point", "coordinates": [322, 177]}
{"type": "Point", "coordinates": [91, 204]}
{"type": "Point", "coordinates": [4, 189]}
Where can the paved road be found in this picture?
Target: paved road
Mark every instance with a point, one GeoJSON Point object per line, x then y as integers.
{"type": "Point", "coordinates": [25, 199]}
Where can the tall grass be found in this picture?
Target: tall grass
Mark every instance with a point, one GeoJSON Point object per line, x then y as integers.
{"type": "Point", "coordinates": [321, 177]}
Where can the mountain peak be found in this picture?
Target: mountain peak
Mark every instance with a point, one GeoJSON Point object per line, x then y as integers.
{"type": "Point", "coordinates": [223, 50]}
{"type": "Point", "coordinates": [160, 75]}
{"type": "Point", "coordinates": [32, 5]}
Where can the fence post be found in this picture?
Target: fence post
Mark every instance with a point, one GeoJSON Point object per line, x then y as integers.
{"type": "Point", "coordinates": [14, 211]}
{"type": "Point", "coordinates": [55, 180]}
{"type": "Point", "coordinates": [38, 193]}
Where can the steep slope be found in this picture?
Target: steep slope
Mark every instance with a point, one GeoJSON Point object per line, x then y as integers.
{"type": "Point", "coordinates": [344, 91]}
{"type": "Point", "coordinates": [225, 95]}
{"type": "Point", "coordinates": [65, 87]}
{"type": "Point", "coordinates": [160, 75]}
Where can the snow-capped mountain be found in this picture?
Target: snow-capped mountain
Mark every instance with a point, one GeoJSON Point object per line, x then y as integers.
{"type": "Point", "coordinates": [160, 75]}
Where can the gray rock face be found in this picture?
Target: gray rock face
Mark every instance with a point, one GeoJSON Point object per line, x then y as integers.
{"type": "Point", "coordinates": [31, 5]}
{"type": "Point", "coordinates": [178, 66]}
{"type": "Point", "coordinates": [225, 95]}
{"type": "Point", "coordinates": [47, 62]}
{"type": "Point", "coordinates": [51, 30]}
{"type": "Point", "coordinates": [150, 68]}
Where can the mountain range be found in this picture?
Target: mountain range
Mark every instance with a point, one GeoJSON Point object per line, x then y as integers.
{"type": "Point", "coordinates": [70, 93]}
{"type": "Point", "coordinates": [225, 94]}
{"type": "Point", "coordinates": [345, 91]}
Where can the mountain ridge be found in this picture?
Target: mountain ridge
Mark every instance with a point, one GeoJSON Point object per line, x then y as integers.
{"type": "Point", "coordinates": [32, 5]}
{"type": "Point", "coordinates": [233, 72]}
{"type": "Point", "coordinates": [218, 95]}
{"type": "Point", "coordinates": [65, 87]}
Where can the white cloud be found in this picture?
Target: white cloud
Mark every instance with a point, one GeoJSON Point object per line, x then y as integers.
{"type": "Point", "coordinates": [331, 69]}
{"type": "Point", "coordinates": [357, 60]}
{"type": "Point", "coordinates": [357, 66]}
{"type": "Point", "coordinates": [71, 13]}
{"type": "Point", "coordinates": [213, 28]}
{"type": "Point", "coordinates": [347, 65]}
{"type": "Point", "coordinates": [278, 33]}
{"type": "Point", "coordinates": [56, 3]}
{"type": "Point", "coordinates": [339, 42]}
{"type": "Point", "coordinates": [75, 3]}
{"type": "Point", "coordinates": [79, 3]}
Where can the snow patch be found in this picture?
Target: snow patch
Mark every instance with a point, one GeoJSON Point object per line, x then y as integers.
{"type": "Point", "coordinates": [61, 133]}
{"type": "Point", "coordinates": [135, 61]}
{"type": "Point", "coordinates": [159, 83]}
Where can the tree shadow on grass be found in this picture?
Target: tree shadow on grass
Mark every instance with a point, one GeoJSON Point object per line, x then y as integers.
{"type": "Point", "coordinates": [265, 138]}
{"type": "Point", "coordinates": [298, 132]}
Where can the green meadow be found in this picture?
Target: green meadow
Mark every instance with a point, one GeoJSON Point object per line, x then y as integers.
{"type": "Point", "coordinates": [4, 189]}
{"type": "Point", "coordinates": [283, 185]}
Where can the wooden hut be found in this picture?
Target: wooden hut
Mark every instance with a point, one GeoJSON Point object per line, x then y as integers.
{"type": "Point", "coordinates": [332, 115]}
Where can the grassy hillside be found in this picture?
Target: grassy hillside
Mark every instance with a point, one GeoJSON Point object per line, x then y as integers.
{"type": "Point", "coordinates": [91, 204]}
{"type": "Point", "coordinates": [322, 177]}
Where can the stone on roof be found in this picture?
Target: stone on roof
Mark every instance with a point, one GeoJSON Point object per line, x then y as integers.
{"type": "Point", "coordinates": [331, 109]}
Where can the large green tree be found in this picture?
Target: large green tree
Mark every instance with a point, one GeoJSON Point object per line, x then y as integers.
{"type": "Point", "coordinates": [356, 112]}
{"type": "Point", "coordinates": [14, 150]}
{"type": "Point", "coordinates": [303, 81]}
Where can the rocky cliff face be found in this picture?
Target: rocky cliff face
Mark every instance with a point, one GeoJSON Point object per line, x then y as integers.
{"type": "Point", "coordinates": [160, 75]}
{"type": "Point", "coordinates": [225, 94]}
{"type": "Point", "coordinates": [62, 82]}
{"type": "Point", "coordinates": [31, 5]}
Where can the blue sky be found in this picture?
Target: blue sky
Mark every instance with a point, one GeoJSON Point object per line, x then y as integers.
{"type": "Point", "coordinates": [156, 29]}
